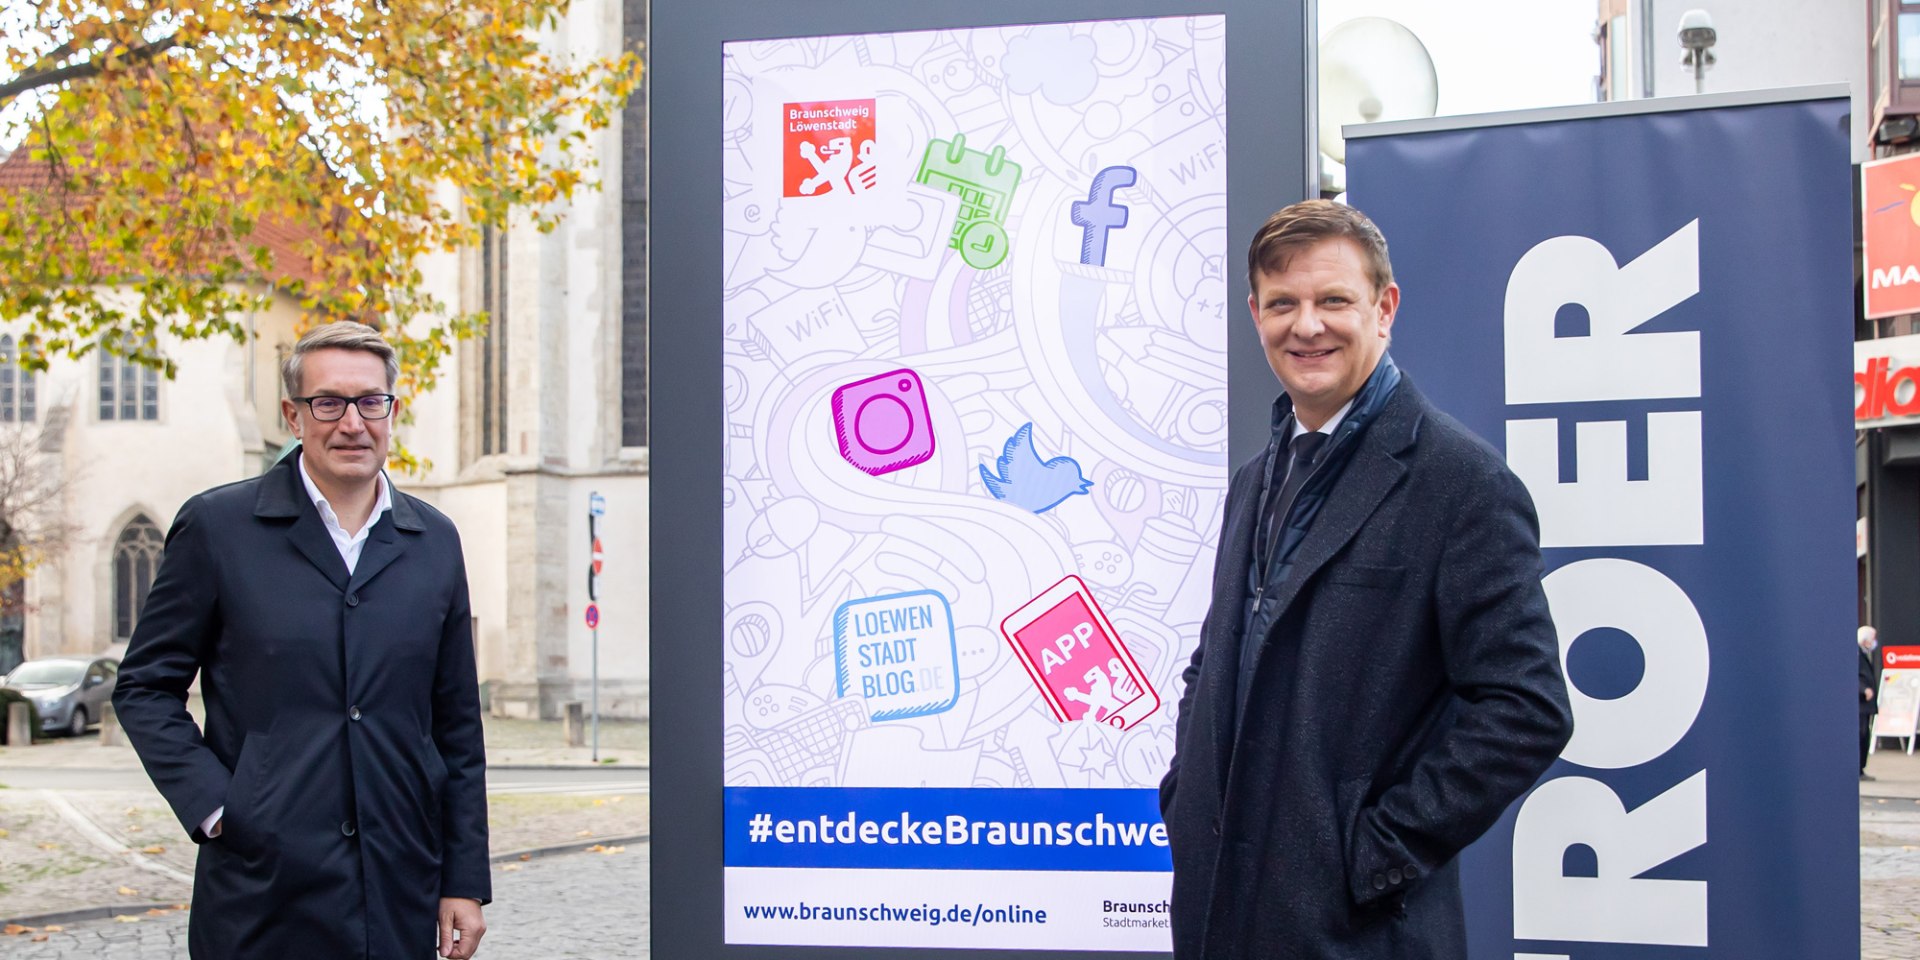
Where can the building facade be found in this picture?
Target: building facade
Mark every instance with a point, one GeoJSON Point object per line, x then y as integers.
{"type": "Point", "coordinates": [544, 408]}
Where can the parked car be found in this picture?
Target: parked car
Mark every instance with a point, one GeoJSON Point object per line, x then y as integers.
{"type": "Point", "coordinates": [8, 697]}
{"type": "Point", "coordinates": [71, 693]}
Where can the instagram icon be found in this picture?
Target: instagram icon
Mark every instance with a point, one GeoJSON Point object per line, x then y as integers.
{"type": "Point", "coordinates": [882, 423]}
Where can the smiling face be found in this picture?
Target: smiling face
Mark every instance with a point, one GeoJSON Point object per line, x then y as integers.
{"type": "Point", "coordinates": [346, 454]}
{"type": "Point", "coordinates": [1322, 326]}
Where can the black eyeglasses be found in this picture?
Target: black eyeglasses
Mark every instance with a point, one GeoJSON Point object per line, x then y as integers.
{"type": "Point", "coordinates": [373, 406]}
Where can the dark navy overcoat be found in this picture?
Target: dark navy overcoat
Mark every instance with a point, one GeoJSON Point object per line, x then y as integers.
{"type": "Point", "coordinates": [1410, 689]}
{"type": "Point", "coordinates": [342, 729]}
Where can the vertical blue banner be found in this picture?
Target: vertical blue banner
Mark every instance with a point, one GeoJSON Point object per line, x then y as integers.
{"type": "Point", "coordinates": [1648, 308]}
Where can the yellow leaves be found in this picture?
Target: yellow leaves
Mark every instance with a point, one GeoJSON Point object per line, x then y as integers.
{"type": "Point", "coordinates": [375, 136]}
{"type": "Point", "coordinates": [154, 850]}
{"type": "Point", "coordinates": [127, 892]}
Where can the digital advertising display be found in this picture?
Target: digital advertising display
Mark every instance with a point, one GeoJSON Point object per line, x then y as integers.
{"type": "Point", "coordinates": [974, 341]}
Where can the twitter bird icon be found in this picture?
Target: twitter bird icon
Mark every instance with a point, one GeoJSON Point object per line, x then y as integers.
{"type": "Point", "coordinates": [1030, 483]}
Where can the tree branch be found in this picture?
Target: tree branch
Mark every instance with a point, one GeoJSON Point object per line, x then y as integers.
{"type": "Point", "coordinates": [35, 79]}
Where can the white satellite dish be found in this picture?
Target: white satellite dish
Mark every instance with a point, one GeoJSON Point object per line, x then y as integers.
{"type": "Point", "coordinates": [1372, 68]}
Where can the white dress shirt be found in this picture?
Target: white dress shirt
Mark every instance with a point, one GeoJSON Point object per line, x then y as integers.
{"type": "Point", "coordinates": [1332, 424]}
{"type": "Point", "coordinates": [349, 545]}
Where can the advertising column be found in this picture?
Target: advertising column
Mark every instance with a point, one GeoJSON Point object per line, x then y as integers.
{"type": "Point", "coordinates": [975, 336]}
{"type": "Point", "coordinates": [1646, 306]}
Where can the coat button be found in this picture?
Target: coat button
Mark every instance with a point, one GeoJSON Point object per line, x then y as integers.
{"type": "Point", "coordinates": [1412, 871]}
{"type": "Point", "coordinates": [347, 828]}
{"type": "Point", "coordinates": [1393, 876]}
{"type": "Point", "coordinates": [353, 713]}
{"type": "Point", "coordinates": [353, 599]}
{"type": "Point", "coordinates": [1379, 881]}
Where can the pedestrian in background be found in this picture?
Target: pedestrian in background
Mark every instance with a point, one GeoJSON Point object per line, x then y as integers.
{"type": "Point", "coordinates": [1378, 676]}
{"type": "Point", "coordinates": [338, 788]}
{"type": "Point", "coordinates": [1869, 641]}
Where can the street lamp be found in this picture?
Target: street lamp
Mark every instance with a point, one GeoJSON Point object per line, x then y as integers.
{"type": "Point", "coordinates": [1696, 34]}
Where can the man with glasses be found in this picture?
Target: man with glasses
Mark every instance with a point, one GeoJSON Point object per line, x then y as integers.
{"type": "Point", "coordinates": [336, 783]}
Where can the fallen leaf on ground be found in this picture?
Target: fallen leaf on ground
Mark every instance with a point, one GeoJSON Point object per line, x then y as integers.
{"type": "Point", "coordinates": [14, 930]}
{"type": "Point", "coordinates": [49, 846]}
{"type": "Point", "coordinates": [3, 834]}
{"type": "Point", "coordinates": [603, 848]}
{"type": "Point", "coordinates": [54, 928]}
{"type": "Point", "coordinates": [526, 856]}
{"type": "Point", "coordinates": [601, 802]}
{"type": "Point", "coordinates": [133, 811]}
{"type": "Point", "coordinates": [509, 867]}
{"type": "Point", "coordinates": [134, 828]}
{"type": "Point", "coordinates": [584, 833]}
{"type": "Point", "coordinates": [39, 938]}
{"type": "Point", "coordinates": [126, 918]}
{"type": "Point", "coordinates": [158, 912]}
{"type": "Point", "coordinates": [156, 848]}
{"type": "Point", "coordinates": [128, 892]}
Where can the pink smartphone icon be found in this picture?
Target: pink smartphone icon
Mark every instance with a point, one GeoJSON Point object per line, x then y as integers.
{"type": "Point", "coordinates": [1077, 659]}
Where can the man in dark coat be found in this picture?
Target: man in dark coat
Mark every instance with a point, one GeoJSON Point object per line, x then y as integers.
{"type": "Point", "coordinates": [337, 787]}
{"type": "Point", "coordinates": [1868, 640]}
{"type": "Point", "coordinates": [1378, 676]}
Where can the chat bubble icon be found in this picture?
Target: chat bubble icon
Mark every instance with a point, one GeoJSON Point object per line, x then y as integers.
{"type": "Point", "coordinates": [897, 653]}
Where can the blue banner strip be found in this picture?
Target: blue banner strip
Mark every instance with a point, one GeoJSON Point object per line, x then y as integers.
{"type": "Point", "coordinates": [945, 829]}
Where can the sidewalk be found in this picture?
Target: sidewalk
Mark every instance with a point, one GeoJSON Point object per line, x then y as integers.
{"type": "Point", "coordinates": [510, 743]}
{"type": "Point", "coordinates": [1896, 775]}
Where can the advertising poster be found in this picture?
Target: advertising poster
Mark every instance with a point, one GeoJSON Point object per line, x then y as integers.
{"type": "Point", "coordinates": [1899, 694]}
{"type": "Point", "coordinates": [1890, 235]}
{"type": "Point", "coordinates": [976, 314]}
{"type": "Point", "coordinates": [1631, 300]}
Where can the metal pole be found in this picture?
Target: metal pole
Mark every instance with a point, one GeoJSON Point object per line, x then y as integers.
{"type": "Point", "coordinates": [596, 694]}
{"type": "Point", "coordinates": [1699, 71]}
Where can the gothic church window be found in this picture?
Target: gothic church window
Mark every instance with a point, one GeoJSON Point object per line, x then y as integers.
{"type": "Point", "coordinates": [136, 557]}
{"type": "Point", "coordinates": [18, 398]}
{"type": "Point", "coordinates": [128, 391]}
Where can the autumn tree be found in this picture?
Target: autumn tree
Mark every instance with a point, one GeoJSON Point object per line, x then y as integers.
{"type": "Point", "coordinates": [174, 134]}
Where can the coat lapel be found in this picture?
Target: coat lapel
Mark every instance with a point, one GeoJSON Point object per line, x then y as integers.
{"type": "Point", "coordinates": [1373, 472]}
{"type": "Point", "coordinates": [284, 497]}
{"type": "Point", "coordinates": [388, 539]}
{"type": "Point", "coordinates": [1230, 593]}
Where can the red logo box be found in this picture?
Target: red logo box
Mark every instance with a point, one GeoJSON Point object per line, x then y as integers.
{"type": "Point", "coordinates": [828, 148]}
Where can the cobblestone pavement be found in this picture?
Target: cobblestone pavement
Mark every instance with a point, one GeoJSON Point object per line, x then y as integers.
{"type": "Point", "coordinates": [1889, 879]}
{"type": "Point", "coordinates": [66, 850]}
{"type": "Point", "coordinates": [539, 913]}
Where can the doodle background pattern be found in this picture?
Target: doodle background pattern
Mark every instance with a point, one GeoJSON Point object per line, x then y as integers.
{"type": "Point", "coordinates": [1120, 366]}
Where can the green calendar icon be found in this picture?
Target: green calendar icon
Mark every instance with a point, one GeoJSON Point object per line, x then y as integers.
{"type": "Point", "coordinates": [984, 182]}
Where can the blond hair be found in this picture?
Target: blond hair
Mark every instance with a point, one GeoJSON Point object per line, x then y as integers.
{"type": "Point", "coordinates": [339, 335]}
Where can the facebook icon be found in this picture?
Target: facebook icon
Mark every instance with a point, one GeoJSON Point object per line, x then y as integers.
{"type": "Point", "coordinates": [1098, 213]}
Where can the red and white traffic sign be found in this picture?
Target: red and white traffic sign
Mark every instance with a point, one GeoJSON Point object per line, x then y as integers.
{"type": "Point", "coordinates": [593, 616]}
{"type": "Point", "coordinates": [599, 557]}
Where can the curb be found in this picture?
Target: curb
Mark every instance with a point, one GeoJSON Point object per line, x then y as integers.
{"type": "Point", "coordinates": [577, 846]}
{"type": "Point", "coordinates": [569, 766]}
{"type": "Point", "coordinates": [84, 914]}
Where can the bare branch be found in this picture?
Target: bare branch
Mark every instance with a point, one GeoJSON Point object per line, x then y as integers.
{"type": "Point", "coordinates": [34, 80]}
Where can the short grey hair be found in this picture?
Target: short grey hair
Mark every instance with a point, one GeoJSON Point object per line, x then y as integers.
{"type": "Point", "coordinates": [339, 335]}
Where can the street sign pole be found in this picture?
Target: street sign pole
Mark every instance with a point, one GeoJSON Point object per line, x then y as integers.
{"type": "Point", "coordinates": [596, 508]}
